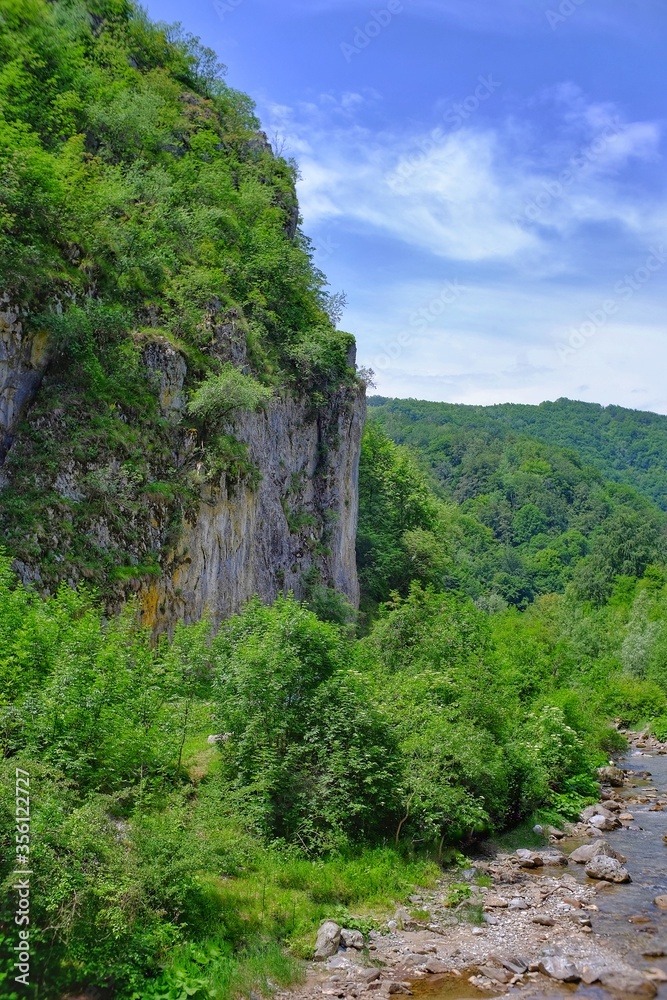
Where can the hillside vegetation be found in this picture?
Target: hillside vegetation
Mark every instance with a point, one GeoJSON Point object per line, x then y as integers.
{"type": "Point", "coordinates": [626, 446]}
{"type": "Point", "coordinates": [501, 518]}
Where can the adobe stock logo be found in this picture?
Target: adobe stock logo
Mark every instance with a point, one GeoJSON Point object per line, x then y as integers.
{"type": "Point", "coordinates": [566, 9]}
{"type": "Point", "coordinates": [224, 7]}
{"type": "Point", "coordinates": [363, 36]}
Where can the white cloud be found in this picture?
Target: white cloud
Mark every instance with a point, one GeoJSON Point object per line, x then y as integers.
{"type": "Point", "coordinates": [482, 209]}
{"type": "Point", "coordinates": [469, 194]}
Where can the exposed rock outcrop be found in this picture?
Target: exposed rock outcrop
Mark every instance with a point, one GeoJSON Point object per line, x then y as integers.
{"type": "Point", "coordinates": [301, 517]}
{"type": "Point", "coordinates": [285, 521]}
{"type": "Point", "coordinates": [23, 361]}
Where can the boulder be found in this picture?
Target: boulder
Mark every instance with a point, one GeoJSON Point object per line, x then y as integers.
{"type": "Point", "coordinates": [558, 967]}
{"type": "Point", "coordinates": [583, 855]}
{"type": "Point", "coordinates": [435, 967]}
{"type": "Point", "coordinates": [598, 810]}
{"type": "Point", "coordinates": [495, 974]}
{"type": "Point", "coordinates": [514, 963]}
{"type": "Point", "coordinates": [370, 975]}
{"type": "Point", "coordinates": [661, 902]}
{"type": "Point", "coordinates": [518, 904]}
{"type": "Point", "coordinates": [554, 859]}
{"type": "Point", "coordinates": [552, 831]}
{"type": "Point", "coordinates": [328, 940]}
{"type": "Point", "coordinates": [604, 822]}
{"type": "Point", "coordinates": [611, 775]}
{"type": "Point", "coordinates": [496, 902]}
{"type": "Point", "coordinates": [591, 971]}
{"type": "Point", "coordinates": [607, 869]}
{"type": "Point", "coordinates": [352, 939]}
{"type": "Point", "coordinates": [549, 831]}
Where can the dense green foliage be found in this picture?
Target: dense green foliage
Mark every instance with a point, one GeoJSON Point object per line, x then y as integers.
{"type": "Point", "coordinates": [626, 446]}
{"type": "Point", "coordinates": [162, 859]}
{"type": "Point", "coordinates": [163, 863]}
{"type": "Point", "coordinates": [132, 172]}
{"type": "Point", "coordinates": [141, 212]}
{"type": "Point", "coordinates": [501, 517]}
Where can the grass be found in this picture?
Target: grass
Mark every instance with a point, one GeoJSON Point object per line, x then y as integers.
{"type": "Point", "coordinates": [269, 899]}
{"type": "Point", "coordinates": [270, 916]}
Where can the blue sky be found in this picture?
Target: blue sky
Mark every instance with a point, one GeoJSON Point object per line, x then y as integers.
{"type": "Point", "coordinates": [485, 179]}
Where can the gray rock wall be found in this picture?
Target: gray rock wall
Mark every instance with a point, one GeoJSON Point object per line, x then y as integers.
{"type": "Point", "coordinates": [302, 516]}
{"type": "Point", "coordinates": [298, 520]}
{"type": "Point", "coordinates": [23, 360]}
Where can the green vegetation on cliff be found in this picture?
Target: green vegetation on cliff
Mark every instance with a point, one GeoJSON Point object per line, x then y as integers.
{"type": "Point", "coordinates": [148, 237]}
{"type": "Point", "coordinates": [133, 175]}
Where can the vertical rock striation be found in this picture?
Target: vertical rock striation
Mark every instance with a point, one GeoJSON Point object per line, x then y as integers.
{"type": "Point", "coordinates": [23, 360]}
{"type": "Point", "coordinates": [299, 520]}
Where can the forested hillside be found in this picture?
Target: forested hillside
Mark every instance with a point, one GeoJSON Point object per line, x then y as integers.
{"type": "Point", "coordinates": [500, 517]}
{"type": "Point", "coordinates": [626, 446]}
{"type": "Point", "coordinates": [202, 797]}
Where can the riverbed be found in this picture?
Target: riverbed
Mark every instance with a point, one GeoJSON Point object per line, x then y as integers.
{"type": "Point", "coordinates": [626, 921]}
{"type": "Point", "coordinates": [536, 927]}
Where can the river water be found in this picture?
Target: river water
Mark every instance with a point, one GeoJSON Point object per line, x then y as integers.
{"type": "Point", "coordinates": [646, 854]}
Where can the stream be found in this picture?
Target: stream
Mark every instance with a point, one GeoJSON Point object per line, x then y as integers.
{"type": "Point", "coordinates": [627, 920]}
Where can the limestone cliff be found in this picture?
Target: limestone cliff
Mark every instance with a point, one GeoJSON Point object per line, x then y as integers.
{"type": "Point", "coordinates": [299, 519]}
{"type": "Point", "coordinates": [151, 247]}
{"type": "Point", "coordinates": [285, 519]}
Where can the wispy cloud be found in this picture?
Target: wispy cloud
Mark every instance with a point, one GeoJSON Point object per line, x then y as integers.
{"type": "Point", "coordinates": [459, 209]}
{"type": "Point", "coordinates": [462, 196]}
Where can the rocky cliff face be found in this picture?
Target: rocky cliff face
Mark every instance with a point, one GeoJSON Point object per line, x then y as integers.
{"type": "Point", "coordinates": [289, 520]}
{"type": "Point", "coordinates": [23, 360]}
{"type": "Point", "coordinates": [297, 523]}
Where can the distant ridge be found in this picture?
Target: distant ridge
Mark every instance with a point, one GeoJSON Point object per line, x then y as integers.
{"type": "Point", "coordinates": [626, 446]}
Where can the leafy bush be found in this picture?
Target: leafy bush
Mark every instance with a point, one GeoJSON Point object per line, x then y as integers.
{"type": "Point", "coordinates": [221, 394]}
{"type": "Point", "coordinates": [311, 762]}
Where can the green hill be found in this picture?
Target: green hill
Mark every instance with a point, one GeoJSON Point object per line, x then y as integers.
{"type": "Point", "coordinates": [455, 498]}
{"type": "Point", "coordinates": [627, 446]}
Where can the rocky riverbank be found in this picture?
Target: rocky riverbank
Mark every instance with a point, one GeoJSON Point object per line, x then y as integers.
{"type": "Point", "coordinates": [524, 923]}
